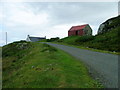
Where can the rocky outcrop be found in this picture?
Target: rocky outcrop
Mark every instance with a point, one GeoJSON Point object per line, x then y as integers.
{"type": "Point", "coordinates": [109, 25]}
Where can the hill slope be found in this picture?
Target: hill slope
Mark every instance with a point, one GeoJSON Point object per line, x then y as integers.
{"type": "Point", "coordinates": [107, 38]}
{"type": "Point", "coordinates": [36, 65]}
{"type": "Point", "coordinates": [109, 25]}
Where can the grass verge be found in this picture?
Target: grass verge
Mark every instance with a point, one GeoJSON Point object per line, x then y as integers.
{"type": "Point", "coordinates": [43, 66]}
{"type": "Point", "coordinates": [87, 48]}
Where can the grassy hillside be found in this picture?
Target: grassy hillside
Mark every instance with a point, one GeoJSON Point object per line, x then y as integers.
{"type": "Point", "coordinates": [37, 65]}
{"type": "Point", "coordinates": [107, 40]}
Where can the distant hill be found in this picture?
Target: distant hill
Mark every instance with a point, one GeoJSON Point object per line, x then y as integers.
{"type": "Point", "coordinates": [106, 39]}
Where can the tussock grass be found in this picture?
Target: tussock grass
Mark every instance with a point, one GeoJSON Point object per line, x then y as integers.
{"type": "Point", "coordinates": [43, 66]}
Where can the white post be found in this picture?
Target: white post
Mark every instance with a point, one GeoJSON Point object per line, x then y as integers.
{"type": "Point", "coordinates": [119, 8]}
{"type": "Point", "coordinates": [6, 38]}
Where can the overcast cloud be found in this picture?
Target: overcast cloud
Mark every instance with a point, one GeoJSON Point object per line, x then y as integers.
{"type": "Point", "coordinates": [51, 19]}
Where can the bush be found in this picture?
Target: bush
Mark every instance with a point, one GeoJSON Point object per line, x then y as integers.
{"type": "Point", "coordinates": [100, 39]}
{"type": "Point", "coordinates": [53, 39]}
{"type": "Point", "coordinates": [84, 38]}
{"type": "Point", "coordinates": [59, 40]}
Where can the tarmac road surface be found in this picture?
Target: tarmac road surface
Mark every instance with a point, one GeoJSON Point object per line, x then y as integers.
{"type": "Point", "coordinates": [102, 66]}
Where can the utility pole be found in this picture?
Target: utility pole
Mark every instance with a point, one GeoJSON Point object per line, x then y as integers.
{"type": "Point", "coordinates": [6, 38]}
{"type": "Point", "coordinates": [119, 8]}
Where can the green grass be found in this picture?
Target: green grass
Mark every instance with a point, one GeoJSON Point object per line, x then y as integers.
{"type": "Point", "coordinates": [86, 48]}
{"type": "Point", "coordinates": [43, 66]}
{"type": "Point", "coordinates": [107, 41]}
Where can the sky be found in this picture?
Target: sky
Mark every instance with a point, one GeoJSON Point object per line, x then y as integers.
{"type": "Point", "coordinates": [51, 19]}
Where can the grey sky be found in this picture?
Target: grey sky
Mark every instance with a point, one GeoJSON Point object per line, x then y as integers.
{"type": "Point", "coordinates": [51, 19]}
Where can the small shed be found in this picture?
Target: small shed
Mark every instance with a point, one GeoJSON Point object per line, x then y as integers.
{"type": "Point", "coordinates": [34, 39]}
{"type": "Point", "coordinates": [80, 30]}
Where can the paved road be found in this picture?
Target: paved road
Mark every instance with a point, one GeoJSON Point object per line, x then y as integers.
{"type": "Point", "coordinates": [104, 66]}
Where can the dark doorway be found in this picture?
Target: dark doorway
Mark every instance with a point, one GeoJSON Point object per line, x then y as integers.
{"type": "Point", "coordinates": [77, 32]}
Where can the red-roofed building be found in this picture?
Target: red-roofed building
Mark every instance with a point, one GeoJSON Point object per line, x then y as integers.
{"type": "Point", "coordinates": [80, 30]}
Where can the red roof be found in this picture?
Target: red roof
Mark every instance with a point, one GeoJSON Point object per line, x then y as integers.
{"type": "Point", "coordinates": [74, 28]}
